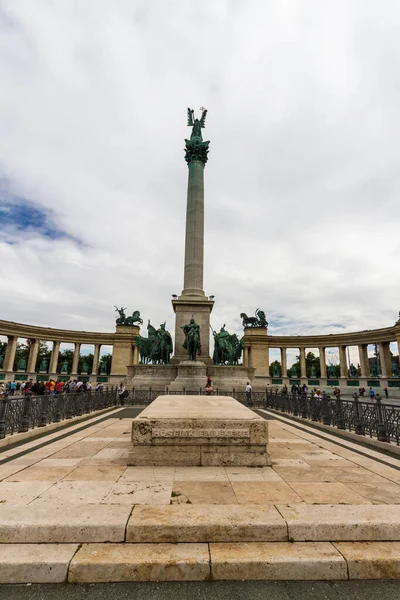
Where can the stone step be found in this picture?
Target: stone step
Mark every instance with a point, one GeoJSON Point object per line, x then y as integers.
{"type": "Point", "coordinates": [206, 523]}
{"type": "Point", "coordinates": [337, 522]}
{"type": "Point", "coordinates": [197, 523]}
{"type": "Point", "coordinates": [94, 563]}
{"type": "Point", "coordinates": [49, 523]}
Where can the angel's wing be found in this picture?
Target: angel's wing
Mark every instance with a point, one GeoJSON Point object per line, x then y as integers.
{"type": "Point", "coordinates": [203, 118]}
{"type": "Point", "coordinates": [190, 116]}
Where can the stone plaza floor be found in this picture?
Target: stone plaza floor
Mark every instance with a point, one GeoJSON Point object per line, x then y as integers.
{"type": "Point", "coordinates": [327, 508]}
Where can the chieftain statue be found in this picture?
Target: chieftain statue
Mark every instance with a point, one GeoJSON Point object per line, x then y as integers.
{"type": "Point", "coordinates": [227, 348]}
{"type": "Point", "coordinates": [258, 321]}
{"type": "Point", "coordinates": [192, 341]}
{"type": "Point", "coordinates": [124, 320]}
{"type": "Point", "coordinates": [195, 148]}
{"type": "Point", "coordinates": [157, 347]}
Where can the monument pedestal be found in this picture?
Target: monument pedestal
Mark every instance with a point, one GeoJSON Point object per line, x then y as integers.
{"type": "Point", "coordinates": [185, 307]}
{"type": "Point", "coordinates": [192, 376]}
{"type": "Point", "coordinates": [199, 431]}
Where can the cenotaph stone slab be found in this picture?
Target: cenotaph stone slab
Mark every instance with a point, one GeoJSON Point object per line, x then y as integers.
{"type": "Point", "coordinates": [179, 430]}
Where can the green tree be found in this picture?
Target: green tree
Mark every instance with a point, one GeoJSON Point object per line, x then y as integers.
{"type": "Point", "coordinates": [44, 353]}
{"type": "Point", "coordinates": [312, 361]}
{"type": "Point", "coordinates": [106, 358]}
{"type": "Point", "coordinates": [21, 353]}
{"type": "Point", "coordinates": [65, 356]}
{"type": "Point", "coordinates": [88, 359]}
{"type": "Point", "coordinates": [276, 363]}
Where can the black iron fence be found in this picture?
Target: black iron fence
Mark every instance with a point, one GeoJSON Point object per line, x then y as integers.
{"type": "Point", "coordinates": [21, 414]}
{"type": "Point", "coordinates": [373, 418]}
{"type": "Point", "coordinates": [376, 419]}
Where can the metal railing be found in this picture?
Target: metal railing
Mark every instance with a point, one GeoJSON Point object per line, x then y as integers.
{"type": "Point", "coordinates": [375, 419]}
{"type": "Point", "coordinates": [19, 415]}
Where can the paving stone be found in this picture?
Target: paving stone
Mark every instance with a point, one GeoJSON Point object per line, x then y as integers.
{"type": "Point", "coordinates": [277, 561]}
{"type": "Point", "coordinates": [140, 562]}
{"type": "Point", "coordinates": [327, 493]}
{"type": "Point", "coordinates": [371, 560]}
{"type": "Point", "coordinates": [139, 492]}
{"type": "Point", "coordinates": [205, 523]}
{"type": "Point", "coordinates": [263, 492]}
{"type": "Point", "coordinates": [342, 522]}
{"type": "Point", "coordinates": [37, 563]}
{"type": "Point", "coordinates": [205, 492]}
{"type": "Point", "coordinates": [35, 523]}
{"type": "Point", "coordinates": [21, 492]}
{"type": "Point", "coordinates": [385, 491]}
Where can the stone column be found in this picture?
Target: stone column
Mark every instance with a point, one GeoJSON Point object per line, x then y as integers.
{"type": "Point", "coordinates": [303, 372]}
{"type": "Point", "coordinates": [75, 360]}
{"type": "Point", "coordinates": [322, 362]}
{"type": "Point", "coordinates": [33, 352]}
{"type": "Point", "coordinates": [283, 363]}
{"type": "Point", "coordinates": [96, 357]}
{"type": "Point", "coordinates": [54, 358]}
{"type": "Point", "coordinates": [363, 358]}
{"type": "Point", "coordinates": [136, 356]}
{"type": "Point", "coordinates": [194, 241]}
{"type": "Point", "coordinates": [385, 359]}
{"type": "Point", "coordinates": [343, 362]}
{"type": "Point", "coordinates": [11, 349]}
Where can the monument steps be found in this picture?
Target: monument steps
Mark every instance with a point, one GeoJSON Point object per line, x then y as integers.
{"type": "Point", "coordinates": [198, 523]}
{"type": "Point", "coordinates": [94, 563]}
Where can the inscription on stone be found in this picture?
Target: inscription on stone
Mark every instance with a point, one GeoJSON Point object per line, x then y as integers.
{"type": "Point", "coordinates": [201, 433]}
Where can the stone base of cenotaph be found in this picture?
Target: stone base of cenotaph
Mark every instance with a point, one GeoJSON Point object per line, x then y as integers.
{"type": "Point", "coordinates": [199, 431]}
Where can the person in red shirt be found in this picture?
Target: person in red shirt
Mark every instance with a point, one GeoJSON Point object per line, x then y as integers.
{"type": "Point", "coordinates": [59, 387]}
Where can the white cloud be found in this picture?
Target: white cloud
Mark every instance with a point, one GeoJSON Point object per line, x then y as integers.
{"type": "Point", "coordinates": [302, 183]}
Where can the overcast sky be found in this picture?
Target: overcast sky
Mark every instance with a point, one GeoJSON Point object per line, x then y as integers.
{"type": "Point", "coordinates": [302, 184]}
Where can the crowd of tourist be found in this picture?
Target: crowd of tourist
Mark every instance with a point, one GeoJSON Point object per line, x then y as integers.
{"type": "Point", "coordinates": [51, 387]}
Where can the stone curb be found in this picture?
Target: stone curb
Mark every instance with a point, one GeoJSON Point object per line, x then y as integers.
{"type": "Point", "coordinates": [95, 563]}
{"type": "Point", "coordinates": [198, 523]}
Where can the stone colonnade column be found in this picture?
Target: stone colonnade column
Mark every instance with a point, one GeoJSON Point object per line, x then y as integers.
{"type": "Point", "coordinates": [96, 357]}
{"type": "Point", "coordinates": [363, 357]}
{"type": "Point", "coordinates": [343, 361]}
{"type": "Point", "coordinates": [303, 372]}
{"type": "Point", "coordinates": [386, 362]}
{"type": "Point", "coordinates": [54, 357]}
{"type": "Point", "coordinates": [322, 362]}
{"type": "Point", "coordinates": [33, 352]}
{"type": "Point", "coordinates": [75, 359]}
{"type": "Point", "coordinates": [283, 363]}
{"type": "Point", "coordinates": [10, 353]}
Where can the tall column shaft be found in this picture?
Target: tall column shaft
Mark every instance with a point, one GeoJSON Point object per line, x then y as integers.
{"type": "Point", "coordinates": [322, 362]}
{"type": "Point", "coordinates": [303, 362]}
{"type": "Point", "coordinates": [283, 363]}
{"type": "Point", "coordinates": [385, 359]}
{"type": "Point", "coordinates": [75, 360]}
{"type": "Point", "coordinates": [54, 357]}
{"type": "Point", "coordinates": [96, 357]}
{"type": "Point", "coordinates": [363, 357]}
{"type": "Point", "coordinates": [10, 353]}
{"type": "Point", "coordinates": [33, 352]}
{"type": "Point", "coordinates": [343, 361]}
{"type": "Point", "coordinates": [194, 240]}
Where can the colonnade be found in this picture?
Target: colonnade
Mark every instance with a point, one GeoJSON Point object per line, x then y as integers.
{"type": "Point", "coordinates": [122, 342]}
{"type": "Point", "coordinates": [258, 344]}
